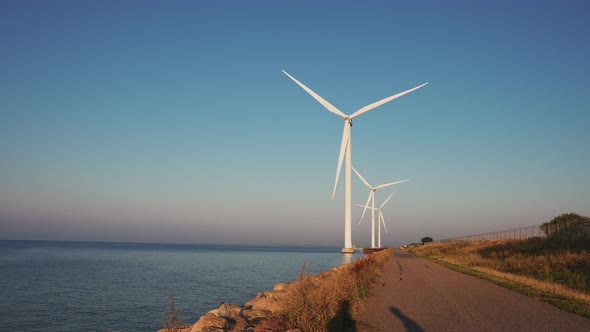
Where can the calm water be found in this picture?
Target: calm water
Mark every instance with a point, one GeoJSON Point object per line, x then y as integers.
{"type": "Point", "coordinates": [67, 286]}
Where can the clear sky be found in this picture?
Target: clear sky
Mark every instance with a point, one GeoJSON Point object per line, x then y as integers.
{"type": "Point", "coordinates": [171, 121]}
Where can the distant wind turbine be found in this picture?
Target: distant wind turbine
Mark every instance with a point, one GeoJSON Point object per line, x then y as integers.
{"type": "Point", "coordinates": [345, 149]}
{"type": "Point", "coordinates": [371, 198]}
{"type": "Point", "coordinates": [381, 218]}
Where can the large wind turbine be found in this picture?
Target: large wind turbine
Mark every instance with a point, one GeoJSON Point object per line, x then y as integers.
{"type": "Point", "coordinates": [381, 218]}
{"type": "Point", "coordinates": [371, 198]}
{"type": "Point", "coordinates": [345, 149]}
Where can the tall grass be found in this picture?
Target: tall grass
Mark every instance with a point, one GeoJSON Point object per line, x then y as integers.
{"type": "Point", "coordinates": [329, 301]}
{"type": "Point", "coordinates": [554, 267]}
{"type": "Point", "coordinates": [554, 260]}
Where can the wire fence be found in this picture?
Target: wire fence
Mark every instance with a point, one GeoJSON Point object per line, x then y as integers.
{"type": "Point", "coordinates": [509, 234]}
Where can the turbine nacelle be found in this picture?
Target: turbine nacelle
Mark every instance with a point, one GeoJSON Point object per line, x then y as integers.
{"type": "Point", "coordinates": [379, 209]}
{"type": "Point", "coordinates": [372, 191]}
{"type": "Point", "coordinates": [348, 118]}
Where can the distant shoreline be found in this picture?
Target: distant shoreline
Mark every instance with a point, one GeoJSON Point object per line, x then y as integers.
{"type": "Point", "coordinates": [209, 246]}
{"type": "Point", "coordinates": [248, 247]}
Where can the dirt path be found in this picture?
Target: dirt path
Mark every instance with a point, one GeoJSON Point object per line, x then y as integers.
{"type": "Point", "coordinates": [418, 295]}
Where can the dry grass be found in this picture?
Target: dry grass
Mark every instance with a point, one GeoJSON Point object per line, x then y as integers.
{"type": "Point", "coordinates": [174, 320]}
{"type": "Point", "coordinates": [543, 286]}
{"type": "Point", "coordinates": [329, 301]}
{"type": "Point", "coordinates": [552, 269]}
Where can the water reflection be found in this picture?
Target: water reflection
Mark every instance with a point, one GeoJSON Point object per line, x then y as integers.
{"type": "Point", "coordinates": [348, 258]}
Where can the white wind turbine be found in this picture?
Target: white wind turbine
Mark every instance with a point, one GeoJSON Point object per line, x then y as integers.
{"type": "Point", "coordinates": [381, 218]}
{"type": "Point", "coordinates": [371, 198]}
{"type": "Point", "coordinates": [345, 149]}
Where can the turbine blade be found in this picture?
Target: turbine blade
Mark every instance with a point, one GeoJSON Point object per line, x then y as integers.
{"type": "Point", "coordinates": [366, 205]}
{"type": "Point", "coordinates": [343, 146]}
{"type": "Point", "coordinates": [390, 184]}
{"type": "Point", "coordinates": [321, 100]}
{"type": "Point", "coordinates": [362, 178]}
{"type": "Point", "coordinates": [383, 204]}
{"type": "Point", "coordinates": [383, 101]}
{"type": "Point", "coordinates": [382, 220]}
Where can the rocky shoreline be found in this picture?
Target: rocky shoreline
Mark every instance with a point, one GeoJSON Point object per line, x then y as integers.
{"type": "Point", "coordinates": [274, 310]}
{"type": "Point", "coordinates": [261, 314]}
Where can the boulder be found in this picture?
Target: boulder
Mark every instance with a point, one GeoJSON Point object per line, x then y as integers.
{"type": "Point", "coordinates": [267, 301]}
{"type": "Point", "coordinates": [210, 322]}
{"type": "Point", "coordinates": [275, 325]}
{"type": "Point", "coordinates": [256, 316]}
{"type": "Point", "coordinates": [212, 329]}
{"type": "Point", "coordinates": [235, 318]}
{"type": "Point", "coordinates": [224, 310]}
{"type": "Point", "coordinates": [177, 329]}
{"type": "Point", "coordinates": [280, 287]}
{"type": "Point", "coordinates": [235, 310]}
{"type": "Point", "coordinates": [240, 324]}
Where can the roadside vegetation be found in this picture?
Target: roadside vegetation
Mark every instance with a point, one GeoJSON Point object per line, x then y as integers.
{"type": "Point", "coordinates": [555, 268]}
{"type": "Point", "coordinates": [330, 300]}
{"type": "Point", "coordinates": [426, 239]}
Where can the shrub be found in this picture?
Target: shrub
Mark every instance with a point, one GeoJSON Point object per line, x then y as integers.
{"type": "Point", "coordinates": [567, 225]}
{"type": "Point", "coordinates": [174, 319]}
{"type": "Point", "coordinates": [426, 239]}
{"type": "Point", "coordinates": [328, 301]}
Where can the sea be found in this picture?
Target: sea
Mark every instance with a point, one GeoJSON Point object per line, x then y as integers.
{"type": "Point", "coordinates": [97, 286]}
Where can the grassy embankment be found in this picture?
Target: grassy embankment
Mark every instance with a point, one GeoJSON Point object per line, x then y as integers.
{"type": "Point", "coordinates": [330, 300]}
{"type": "Point", "coordinates": [555, 270]}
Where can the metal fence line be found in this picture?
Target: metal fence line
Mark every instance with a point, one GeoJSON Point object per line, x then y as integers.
{"type": "Point", "coordinates": [509, 234]}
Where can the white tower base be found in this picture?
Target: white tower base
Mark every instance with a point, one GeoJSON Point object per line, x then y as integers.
{"type": "Point", "coordinates": [348, 192]}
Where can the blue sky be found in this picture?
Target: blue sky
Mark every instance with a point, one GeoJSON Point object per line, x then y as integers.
{"type": "Point", "coordinates": [171, 121]}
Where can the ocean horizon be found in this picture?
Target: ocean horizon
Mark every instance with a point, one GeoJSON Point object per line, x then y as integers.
{"type": "Point", "coordinates": [119, 286]}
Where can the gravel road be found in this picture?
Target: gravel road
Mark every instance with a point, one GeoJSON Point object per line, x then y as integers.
{"type": "Point", "coordinates": [417, 295]}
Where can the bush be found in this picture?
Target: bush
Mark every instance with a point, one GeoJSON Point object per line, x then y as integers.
{"type": "Point", "coordinates": [567, 225]}
{"type": "Point", "coordinates": [426, 239]}
{"type": "Point", "coordinates": [328, 301]}
{"type": "Point", "coordinates": [174, 319]}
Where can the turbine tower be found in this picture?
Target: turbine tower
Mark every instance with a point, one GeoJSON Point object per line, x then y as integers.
{"type": "Point", "coordinates": [381, 218]}
{"type": "Point", "coordinates": [345, 149]}
{"type": "Point", "coordinates": [371, 198]}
